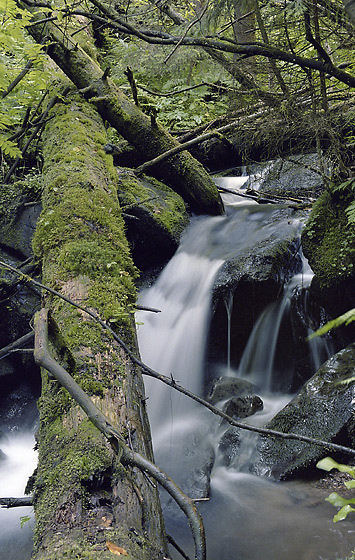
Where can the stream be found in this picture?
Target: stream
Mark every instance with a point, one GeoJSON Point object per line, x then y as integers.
{"type": "Point", "coordinates": [18, 460]}
{"type": "Point", "coordinates": [246, 517]}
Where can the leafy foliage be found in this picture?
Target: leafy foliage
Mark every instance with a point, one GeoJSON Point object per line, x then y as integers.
{"type": "Point", "coordinates": [345, 505]}
{"type": "Point", "coordinates": [16, 50]}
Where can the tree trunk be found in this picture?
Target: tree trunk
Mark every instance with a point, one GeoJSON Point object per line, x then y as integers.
{"type": "Point", "coordinates": [181, 172]}
{"type": "Point", "coordinates": [86, 502]}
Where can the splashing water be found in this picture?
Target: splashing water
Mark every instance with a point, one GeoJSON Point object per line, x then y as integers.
{"type": "Point", "coordinates": [246, 517]}
{"type": "Point", "coordinates": [16, 524]}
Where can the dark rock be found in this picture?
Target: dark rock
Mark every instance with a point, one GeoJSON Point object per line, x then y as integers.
{"type": "Point", "coordinates": [297, 176]}
{"type": "Point", "coordinates": [242, 407]}
{"type": "Point", "coordinates": [226, 387]}
{"type": "Point", "coordinates": [229, 446]}
{"type": "Point", "coordinates": [18, 217]}
{"type": "Point", "coordinates": [323, 409]}
{"type": "Point", "coordinates": [251, 279]}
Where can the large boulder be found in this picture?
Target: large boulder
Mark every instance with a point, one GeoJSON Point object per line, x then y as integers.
{"type": "Point", "coordinates": [250, 279]}
{"type": "Point", "coordinates": [323, 409]}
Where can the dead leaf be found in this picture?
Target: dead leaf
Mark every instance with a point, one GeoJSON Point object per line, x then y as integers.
{"type": "Point", "coordinates": [116, 549]}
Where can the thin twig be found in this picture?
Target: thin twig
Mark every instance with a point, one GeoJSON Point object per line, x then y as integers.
{"type": "Point", "coordinates": [38, 127]}
{"type": "Point", "coordinates": [16, 344]}
{"type": "Point", "coordinates": [18, 79]}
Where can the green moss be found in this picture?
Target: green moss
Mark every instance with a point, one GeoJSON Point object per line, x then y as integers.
{"type": "Point", "coordinates": [165, 206]}
{"type": "Point", "coordinates": [329, 241]}
{"type": "Point", "coordinates": [81, 240]}
{"type": "Point", "coordinates": [79, 455]}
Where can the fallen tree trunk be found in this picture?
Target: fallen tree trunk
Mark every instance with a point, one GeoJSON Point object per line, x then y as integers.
{"type": "Point", "coordinates": [83, 496]}
{"type": "Point", "coordinates": [181, 172]}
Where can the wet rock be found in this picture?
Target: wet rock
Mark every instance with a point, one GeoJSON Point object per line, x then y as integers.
{"type": "Point", "coordinates": [226, 387]}
{"type": "Point", "coordinates": [323, 409]}
{"type": "Point", "coordinates": [296, 176]}
{"type": "Point", "coordinates": [229, 446]}
{"type": "Point", "coordinates": [251, 279]}
{"type": "Point", "coordinates": [242, 407]}
{"type": "Point", "coordinates": [192, 470]}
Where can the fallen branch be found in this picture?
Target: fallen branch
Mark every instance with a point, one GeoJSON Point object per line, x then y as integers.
{"type": "Point", "coordinates": [172, 383]}
{"type": "Point", "coordinates": [16, 502]}
{"type": "Point", "coordinates": [162, 157]}
{"type": "Point", "coordinates": [258, 197]}
{"type": "Point", "coordinates": [126, 455]}
{"type": "Point", "coordinates": [16, 345]}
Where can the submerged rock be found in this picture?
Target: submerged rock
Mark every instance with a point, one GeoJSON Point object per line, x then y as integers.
{"type": "Point", "coordinates": [227, 387]}
{"type": "Point", "coordinates": [323, 409]}
{"type": "Point", "coordinates": [242, 407]}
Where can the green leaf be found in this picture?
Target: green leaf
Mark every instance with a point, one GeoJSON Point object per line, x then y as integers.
{"type": "Point", "coordinates": [350, 213]}
{"type": "Point", "coordinates": [338, 501]}
{"type": "Point", "coordinates": [9, 148]}
{"type": "Point", "coordinates": [344, 319]}
{"type": "Point", "coordinates": [350, 484]}
{"type": "Point", "coordinates": [345, 185]}
{"type": "Point", "coordinates": [342, 513]}
{"type": "Point", "coordinates": [328, 464]}
{"type": "Point", "coordinates": [24, 519]}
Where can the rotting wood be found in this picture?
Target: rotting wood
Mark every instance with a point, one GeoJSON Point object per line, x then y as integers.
{"type": "Point", "coordinates": [126, 455]}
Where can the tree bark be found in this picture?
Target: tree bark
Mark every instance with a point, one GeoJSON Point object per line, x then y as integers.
{"type": "Point", "coordinates": [182, 172]}
{"type": "Point", "coordinates": [84, 497]}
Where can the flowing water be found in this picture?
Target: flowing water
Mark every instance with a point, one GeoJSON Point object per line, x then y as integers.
{"type": "Point", "coordinates": [16, 524]}
{"type": "Point", "coordinates": [246, 517]}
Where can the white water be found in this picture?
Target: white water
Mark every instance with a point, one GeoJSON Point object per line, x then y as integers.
{"type": "Point", "coordinates": [246, 518]}
{"type": "Point", "coordinates": [15, 469]}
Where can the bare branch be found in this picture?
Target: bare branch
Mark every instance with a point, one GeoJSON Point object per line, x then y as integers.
{"type": "Point", "coordinates": [16, 344]}
{"type": "Point", "coordinates": [16, 502]}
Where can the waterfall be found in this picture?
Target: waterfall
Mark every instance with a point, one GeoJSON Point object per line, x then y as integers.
{"type": "Point", "coordinates": [246, 517]}
{"type": "Point", "coordinates": [17, 463]}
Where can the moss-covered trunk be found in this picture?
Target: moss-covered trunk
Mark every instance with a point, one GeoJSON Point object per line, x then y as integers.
{"type": "Point", "coordinates": [84, 498]}
{"type": "Point", "coordinates": [181, 172]}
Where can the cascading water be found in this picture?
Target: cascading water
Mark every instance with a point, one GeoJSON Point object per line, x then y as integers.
{"type": "Point", "coordinates": [246, 517]}
{"type": "Point", "coordinates": [18, 462]}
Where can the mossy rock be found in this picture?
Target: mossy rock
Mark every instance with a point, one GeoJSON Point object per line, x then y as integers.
{"type": "Point", "coordinates": [328, 242]}
{"type": "Point", "coordinates": [155, 218]}
{"type": "Point", "coordinates": [19, 214]}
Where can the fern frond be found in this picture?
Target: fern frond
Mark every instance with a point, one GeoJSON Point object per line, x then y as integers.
{"type": "Point", "coordinates": [344, 319]}
{"type": "Point", "coordinates": [350, 213]}
{"type": "Point", "coordinates": [9, 148]}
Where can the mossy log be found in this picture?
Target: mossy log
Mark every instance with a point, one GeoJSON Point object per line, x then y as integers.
{"type": "Point", "coordinates": [83, 496]}
{"type": "Point", "coordinates": [181, 172]}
